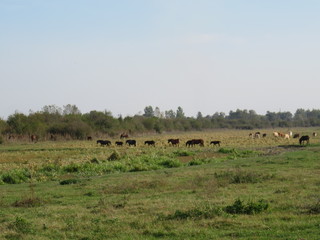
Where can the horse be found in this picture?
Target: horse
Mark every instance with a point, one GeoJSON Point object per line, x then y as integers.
{"type": "Point", "coordinates": [150, 143]}
{"type": "Point", "coordinates": [314, 134]}
{"type": "Point", "coordinates": [275, 134]}
{"type": "Point", "coordinates": [296, 135]}
{"type": "Point", "coordinates": [118, 143]}
{"type": "Point", "coordinates": [264, 135]}
{"type": "Point", "coordinates": [286, 136]}
{"type": "Point", "coordinates": [33, 138]}
{"type": "Point", "coordinates": [124, 135]}
{"type": "Point", "coordinates": [174, 142]}
{"type": "Point", "coordinates": [304, 139]}
{"type": "Point", "coordinates": [131, 142]}
{"type": "Point", "coordinates": [104, 142]}
{"type": "Point", "coordinates": [189, 143]}
{"type": "Point", "coordinates": [89, 138]}
{"type": "Point", "coordinates": [193, 142]}
{"type": "Point", "coordinates": [215, 143]}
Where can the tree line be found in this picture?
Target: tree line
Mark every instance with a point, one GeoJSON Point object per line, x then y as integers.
{"type": "Point", "coordinates": [69, 122]}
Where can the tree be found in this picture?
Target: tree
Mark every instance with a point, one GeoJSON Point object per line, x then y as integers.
{"type": "Point", "coordinates": [71, 110]}
{"type": "Point", "coordinates": [180, 113]}
{"type": "Point", "coordinates": [148, 111]}
{"type": "Point", "coordinates": [170, 114]}
{"type": "Point", "coordinates": [52, 109]}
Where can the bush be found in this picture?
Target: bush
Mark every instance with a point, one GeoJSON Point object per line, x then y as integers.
{"type": "Point", "coordinates": [16, 176]}
{"type": "Point", "coordinates": [181, 153]}
{"type": "Point", "coordinates": [239, 207]}
{"type": "Point", "coordinates": [69, 181]}
{"type": "Point", "coordinates": [170, 163]}
{"type": "Point", "coordinates": [72, 168]}
{"type": "Point", "coordinates": [204, 212]}
{"type": "Point", "coordinates": [114, 156]}
{"type": "Point", "coordinates": [21, 225]}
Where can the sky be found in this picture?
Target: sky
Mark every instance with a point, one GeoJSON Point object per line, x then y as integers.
{"type": "Point", "coordinates": [122, 55]}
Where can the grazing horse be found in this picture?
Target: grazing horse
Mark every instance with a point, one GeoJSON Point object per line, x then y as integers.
{"type": "Point", "coordinates": [124, 135]}
{"type": "Point", "coordinates": [215, 143]}
{"type": "Point", "coordinates": [174, 142]}
{"type": "Point", "coordinates": [118, 143]}
{"type": "Point", "coordinates": [131, 142]}
{"type": "Point", "coordinates": [104, 142]}
{"type": "Point", "coordinates": [189, 143]}
{"type": "Point", "coordinates": [314, 134]}
{"type": "Point", "coordinates": [150, 143]}
{"type": "Point", "coordinates": [286, 136]}
{"type": "Point", "coordinates": [264, 135]}
{"type": "Point", "coordinates": [304, 139]}
{"type": "Point", "coordinates": [296, 135]}
{"type": "Point", "coordinates": [89, 138]}
{"type": "Point", "coordinates": [33, 138]}
{"type": "Point", "coordinates": [193, 142]}
{"type": "Point", "coordinates": [275, 134]}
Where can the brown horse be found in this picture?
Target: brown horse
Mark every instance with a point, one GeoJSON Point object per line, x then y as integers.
{"type": "Point", "coordinates": [124, 135]}
{"type": "Point", "coordinates": [33, 138]}
{"type": "Point", "coordinates": [174, 142]}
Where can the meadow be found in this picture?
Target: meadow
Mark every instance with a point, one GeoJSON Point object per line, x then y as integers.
{"type": "Point", "coordinates": [265, 188]}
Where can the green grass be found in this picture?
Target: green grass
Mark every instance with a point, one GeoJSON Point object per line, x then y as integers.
{"type": "Point", "coordinates": [244, 192]}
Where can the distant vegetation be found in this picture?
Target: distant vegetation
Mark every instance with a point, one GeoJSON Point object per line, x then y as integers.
{"type": "Point", "coordinates": [69, 122]}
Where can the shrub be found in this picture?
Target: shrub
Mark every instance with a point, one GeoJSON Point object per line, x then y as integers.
{"type": "Point", "coordinates": [170, 163]}
{"type": "Point", "coordinates": [114, 156]}
{"type": "Point", "coordinates": [181, 153]}
{"type": "Point", "coordinates": [21, 225]}
{"type": "Point", "coordinates": [69, 181]}
{"type": "Point", "coordinates": [16, 176]}
{"type": "Point", "coordinates": [204, 212]}
{"type": "Point", "coordinates": [239, 207]}
{"type": "Point", "coordinates": [71, 168]}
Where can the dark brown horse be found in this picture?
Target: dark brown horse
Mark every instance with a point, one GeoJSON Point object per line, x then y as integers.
{"type": "Point", "coordinates": [304, 139]}
{"type": "Point", "coordinates": [174, 142]}
{"type": "Point", "coordinates": [150, 143]}
{"type": "Point", "coordinates": [215, 143]}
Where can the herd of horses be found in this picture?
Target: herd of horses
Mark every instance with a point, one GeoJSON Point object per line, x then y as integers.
{"type": "Point", "coordinates": [200, 142]}
{"type": "Point", "coordinates": [171, 142]}
{"type": "Point", "coordinates": [304, 139]}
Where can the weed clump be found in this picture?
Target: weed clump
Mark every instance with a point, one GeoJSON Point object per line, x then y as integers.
{"type": "Point", "coordinates": [239, 207]}
{"type": "Point", "coordinates": [182, 153]}
{"type": "Point", "coordinates": [16, 176]}
{"type": "Point", "coordinates": [314, 209]}
{"type": "Point", "coordinates": [69, 181]}
{"type": "Point", "coordinates": [28, 202]}
{"type": "Point", "coordinates": [114, 156]}
{"type": "Point", "coordinates": [205, 212]}
{"type": "Point", "coordinates": [20, 225]}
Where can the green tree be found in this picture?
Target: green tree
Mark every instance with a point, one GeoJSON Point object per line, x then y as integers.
{"type": "Point", "coordinates": [148, 111]}
{"type": "Point", "coordinates": [180, 113]}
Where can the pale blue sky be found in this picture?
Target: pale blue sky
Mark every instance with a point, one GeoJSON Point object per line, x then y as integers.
{"type": "Point", "coordinates": [123, 55]}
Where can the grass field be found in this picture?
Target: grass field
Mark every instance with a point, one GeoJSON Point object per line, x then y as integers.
{"type": "Point", "coordinates": [245, 189]}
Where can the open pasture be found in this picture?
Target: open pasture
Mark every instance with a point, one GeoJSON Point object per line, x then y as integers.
{"type": "Point", "coordinates": [266, 188]}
